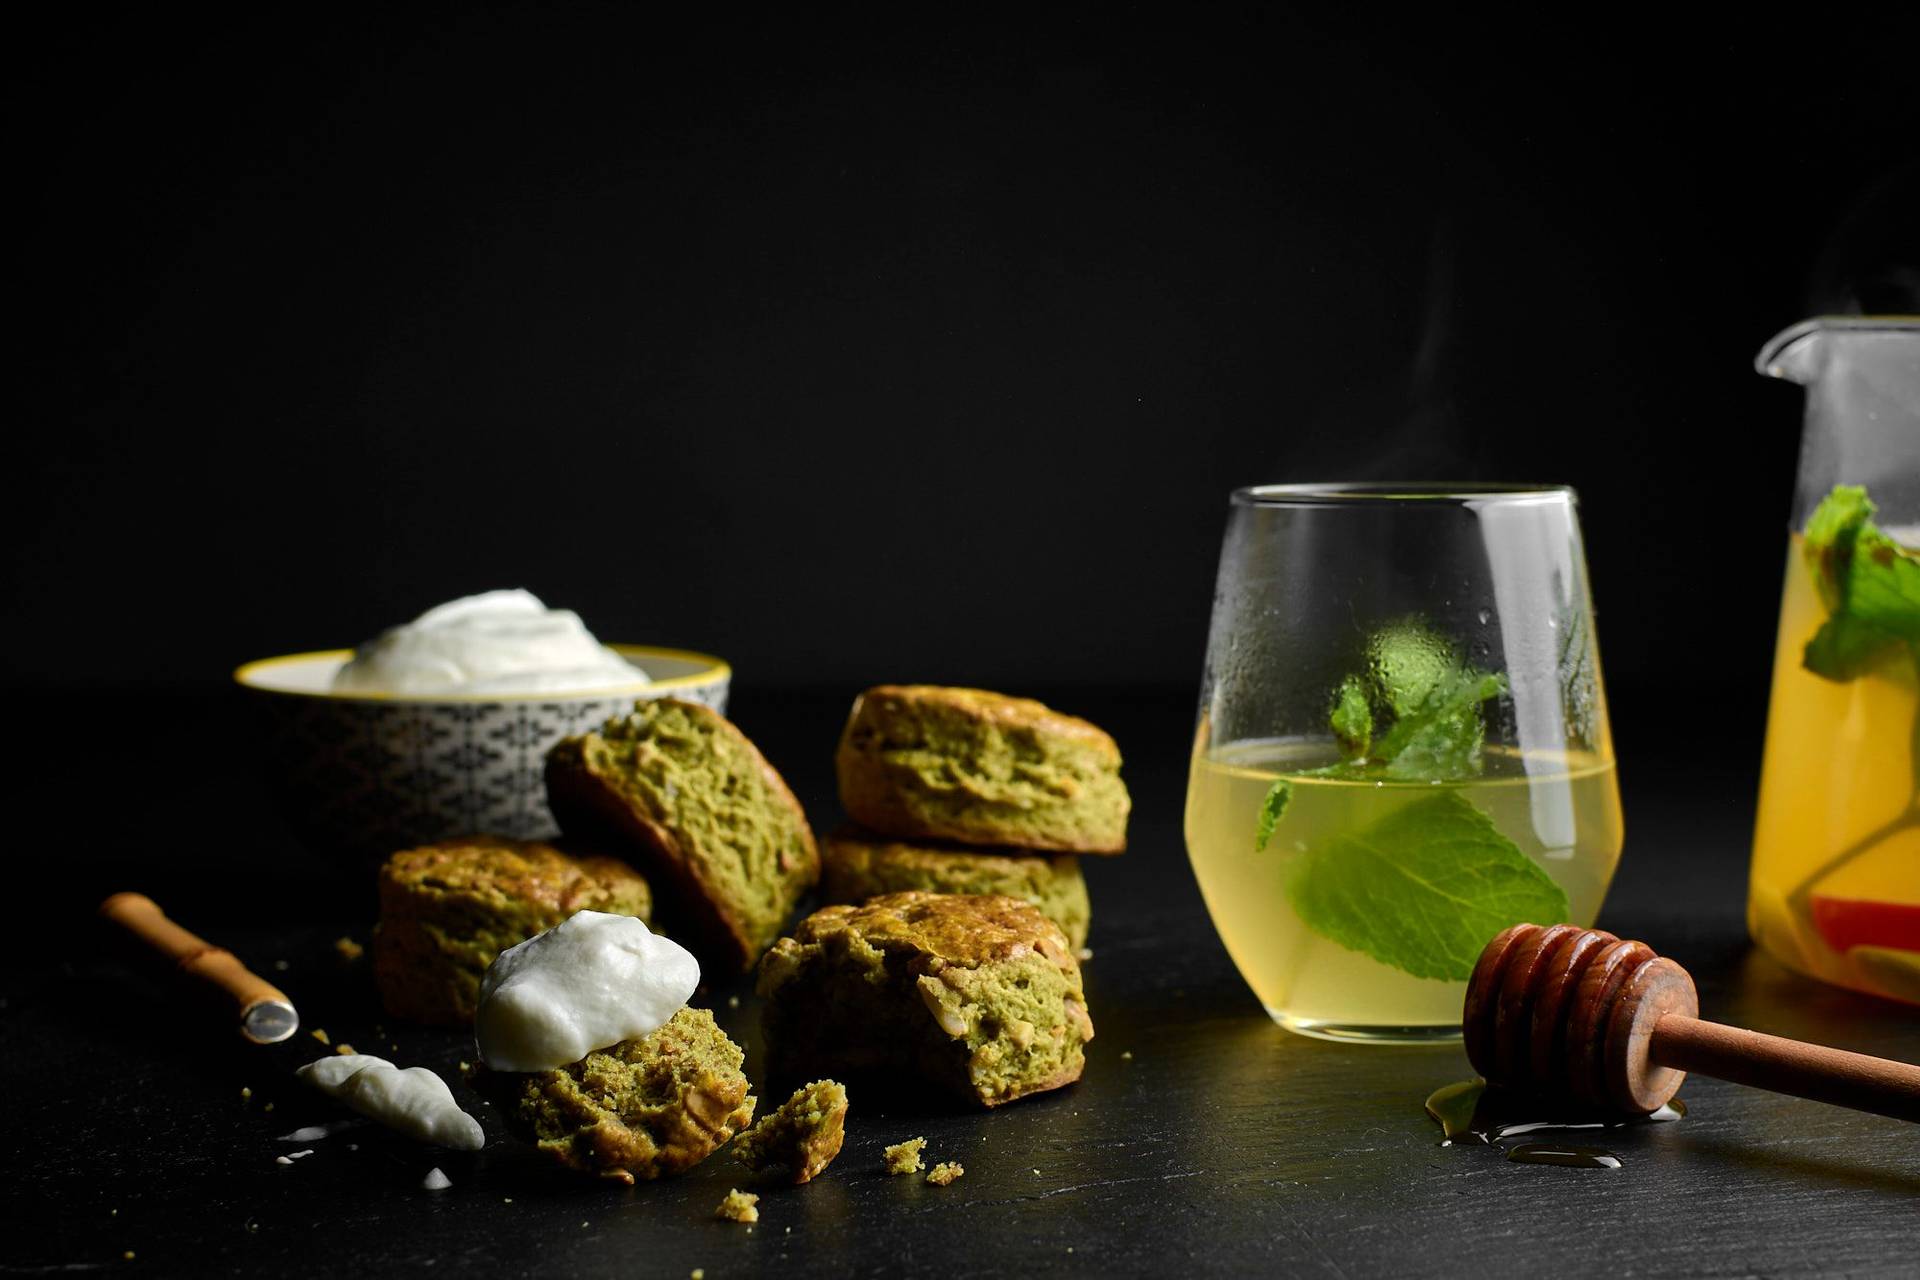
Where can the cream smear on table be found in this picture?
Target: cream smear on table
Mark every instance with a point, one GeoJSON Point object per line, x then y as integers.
{"type": "Point", "coordinates": [495, 642]}
{"type": "Point", "coordinates": [593, 980]}
{"type": "Point", "coordinates": [414, 1100]}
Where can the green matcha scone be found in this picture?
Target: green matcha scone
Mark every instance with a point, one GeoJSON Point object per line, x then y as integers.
{"type": "Point", "coordinates": [856, 865]}
{"type": "Point", "coordinates": [683, 794]}
{"type": "Point", "coordinates": [447, 909]}
{"type": "Point", "coordinates": [638, 1109]}
{"type": "Point", "coordinates": [801, 1136]}
{"type": "Point", "coordinates": [925, 761]}
{"type": "Point", "coordinates": [979, 995]}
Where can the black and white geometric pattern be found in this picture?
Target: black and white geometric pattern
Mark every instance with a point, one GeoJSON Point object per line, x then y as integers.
{"type": "Point", "coordinates": [372, 777]}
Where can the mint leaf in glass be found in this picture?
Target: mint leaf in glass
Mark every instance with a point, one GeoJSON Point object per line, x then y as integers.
{"type": "Point", "coordinates": [1432, 700]}
{"type": "Point", "coordinates": [1423, 888]}
{"type": "Point", "coordinates": [1352, 719]}
{"type": "Point", "coordinates": [1272, 809]}
{"type": "Point", "coordinates": [1441, 738]}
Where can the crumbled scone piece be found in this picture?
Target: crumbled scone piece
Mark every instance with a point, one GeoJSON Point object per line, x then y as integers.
{"type": "Point", "coordinates": [945, 1172]}
{"type": "Point", "coordinates": [802, 1136]}
{"type": "Point", "coordinates": [904, 1157]}
{"type": "Point", "coordinates": [739, 1207]}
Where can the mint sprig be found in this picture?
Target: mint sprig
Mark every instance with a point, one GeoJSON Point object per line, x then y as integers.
{"type": "Point", "coordinates": [1869, 583]}
{"type": "Point", "coordinates": [1424, 887]}
{"type": "Point", "coordinates": [1431, 701]}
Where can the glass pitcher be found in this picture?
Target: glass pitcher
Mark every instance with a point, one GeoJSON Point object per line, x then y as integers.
{"type": "Point", "coordinates": [1836, 850]}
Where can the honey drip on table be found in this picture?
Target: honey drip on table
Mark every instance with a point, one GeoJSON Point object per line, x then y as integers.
{"type": "Point", "coordinates": [1471, 1113]}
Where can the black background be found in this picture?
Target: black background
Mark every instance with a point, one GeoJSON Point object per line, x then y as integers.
{"type": "Point", "coordinates": [861, 348]}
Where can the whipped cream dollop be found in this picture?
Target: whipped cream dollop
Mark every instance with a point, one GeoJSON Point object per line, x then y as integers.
{"type": "Point", "coordinates": [593, 980]}
{"type": "Point", "coordinates": [495, 642]}
{"type": "Point", "coordinates": [412, 1100]}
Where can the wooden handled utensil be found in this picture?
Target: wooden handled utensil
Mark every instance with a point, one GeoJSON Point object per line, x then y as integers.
{"type": "Point", "coordinates": [1579, 1014]}
{"type": "Point", "coordinates": [266, 1015]}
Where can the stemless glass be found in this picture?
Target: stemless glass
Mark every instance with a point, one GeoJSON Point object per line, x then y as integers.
{"type": "Point", "coordinates": [1402, 745]}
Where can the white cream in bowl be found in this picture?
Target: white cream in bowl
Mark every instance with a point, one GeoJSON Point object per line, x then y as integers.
{"type": "Point", "coordinates": [495, 642]}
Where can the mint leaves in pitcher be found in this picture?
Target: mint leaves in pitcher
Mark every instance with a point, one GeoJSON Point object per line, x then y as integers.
{"type": "Point", "coordinates": [1869, 583]}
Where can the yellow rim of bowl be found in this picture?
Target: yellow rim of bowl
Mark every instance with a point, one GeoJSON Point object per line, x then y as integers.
{"type": "Point", "coordinates": [247, 675]}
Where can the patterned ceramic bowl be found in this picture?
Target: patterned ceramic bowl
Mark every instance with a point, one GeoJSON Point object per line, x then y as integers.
{"type": "Point", "coordinates": [369, 774]}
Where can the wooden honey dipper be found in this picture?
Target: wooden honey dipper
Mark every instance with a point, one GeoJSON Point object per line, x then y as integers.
{"type": "Point", "coordinates": [1579, 1014]}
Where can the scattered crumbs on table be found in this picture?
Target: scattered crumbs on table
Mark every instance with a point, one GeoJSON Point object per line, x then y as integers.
{"type": "Point", "coordinates": [245, 1093]}
{"type": "Point", "coordinates": [320, 1034]}
{"type": "Point", "coordinates": [946, 1171]}
{"type": "Point", "coordinates": [344, 1049]}
{"type": "Point", "coordinates": [738, 1206]}
{"type": "Point", "coordinates": [1036, 1173]}
{"type": "Point", "coordinates": [347, 949]}
{"type": "Point", "coordinates": [698, 1273]}
{"type": "Point", "coordinates": [733, 1002]}
{"type": "Point", "coordinates": [281, 965]}
{"type": "Point", "coordinates": [506, 1199]}
{"type": "Point", "coordinates": [268, 1107]}
{"type": "Point", "coordinates": [128, 1255]}
{"type": "Point", "coordinates": [1126, 1055]}
{"type": "Point", "coordinates": [436, 1180]}
{"type": "Point", "coordinates": [904, 1157]}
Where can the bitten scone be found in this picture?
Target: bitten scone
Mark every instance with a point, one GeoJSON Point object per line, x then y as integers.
{"type": "Point", "coordinates": [980, 768]}
{"type": "Point", "coordinates": [447, 909]}
{"type": "Point", "coordinates": [980, 995]}
{"type": "Point", "coordinates": [683, 794]}
{"type": "Point", "coordinates": [801, 1136]}
{"type": "Point", "coordinates": [856, 865]}
{"type": "Point", "coordinates": [637, 1109]}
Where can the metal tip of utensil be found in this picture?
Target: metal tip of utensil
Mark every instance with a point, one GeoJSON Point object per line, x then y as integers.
{"type": "Point", "coordinates": [269, 1022]}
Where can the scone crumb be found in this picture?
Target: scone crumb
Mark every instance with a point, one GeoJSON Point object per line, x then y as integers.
{"type": "Point", "coordinates": [698, 1273]}
{"type": "Point", "coordinates": [733, 1002]}
{"type": "Point", "coordinates": [128, 1255]}
{"type": "Point", "coordinates": [739, 1207]}
{"type": "Point", "coordinates": [320, 1034]}
{"type": "Point", "coordinates": [348, 950]}
{"type": "Point", "coordinates": [1126, 1055]}
{"type": "Point", "coordinates": [344, 1049]}
{"type": "Point", "coordinates": [904, 1157]}
{"type": "Point", "coordinates": [945, 1172]}
{"type": "Point", "coordinates": [245, 1093]}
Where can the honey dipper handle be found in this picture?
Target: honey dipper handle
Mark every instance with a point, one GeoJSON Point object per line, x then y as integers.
{"type": "Point", "coordinates": [1814, 1071]}
{"type": "Point", "coordinates": [266, 1015]}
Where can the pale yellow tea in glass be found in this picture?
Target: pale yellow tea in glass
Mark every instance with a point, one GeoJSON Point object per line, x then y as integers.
{"type": "Point", "coordinates": [1402, 747]}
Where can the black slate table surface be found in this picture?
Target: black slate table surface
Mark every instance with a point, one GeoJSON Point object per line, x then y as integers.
{"type": "Point", "coordinates": [1203, 1139]}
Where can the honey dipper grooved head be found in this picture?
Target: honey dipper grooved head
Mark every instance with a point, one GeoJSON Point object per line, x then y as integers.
{"type": "Point", "coordinates": [1568, 1013]}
